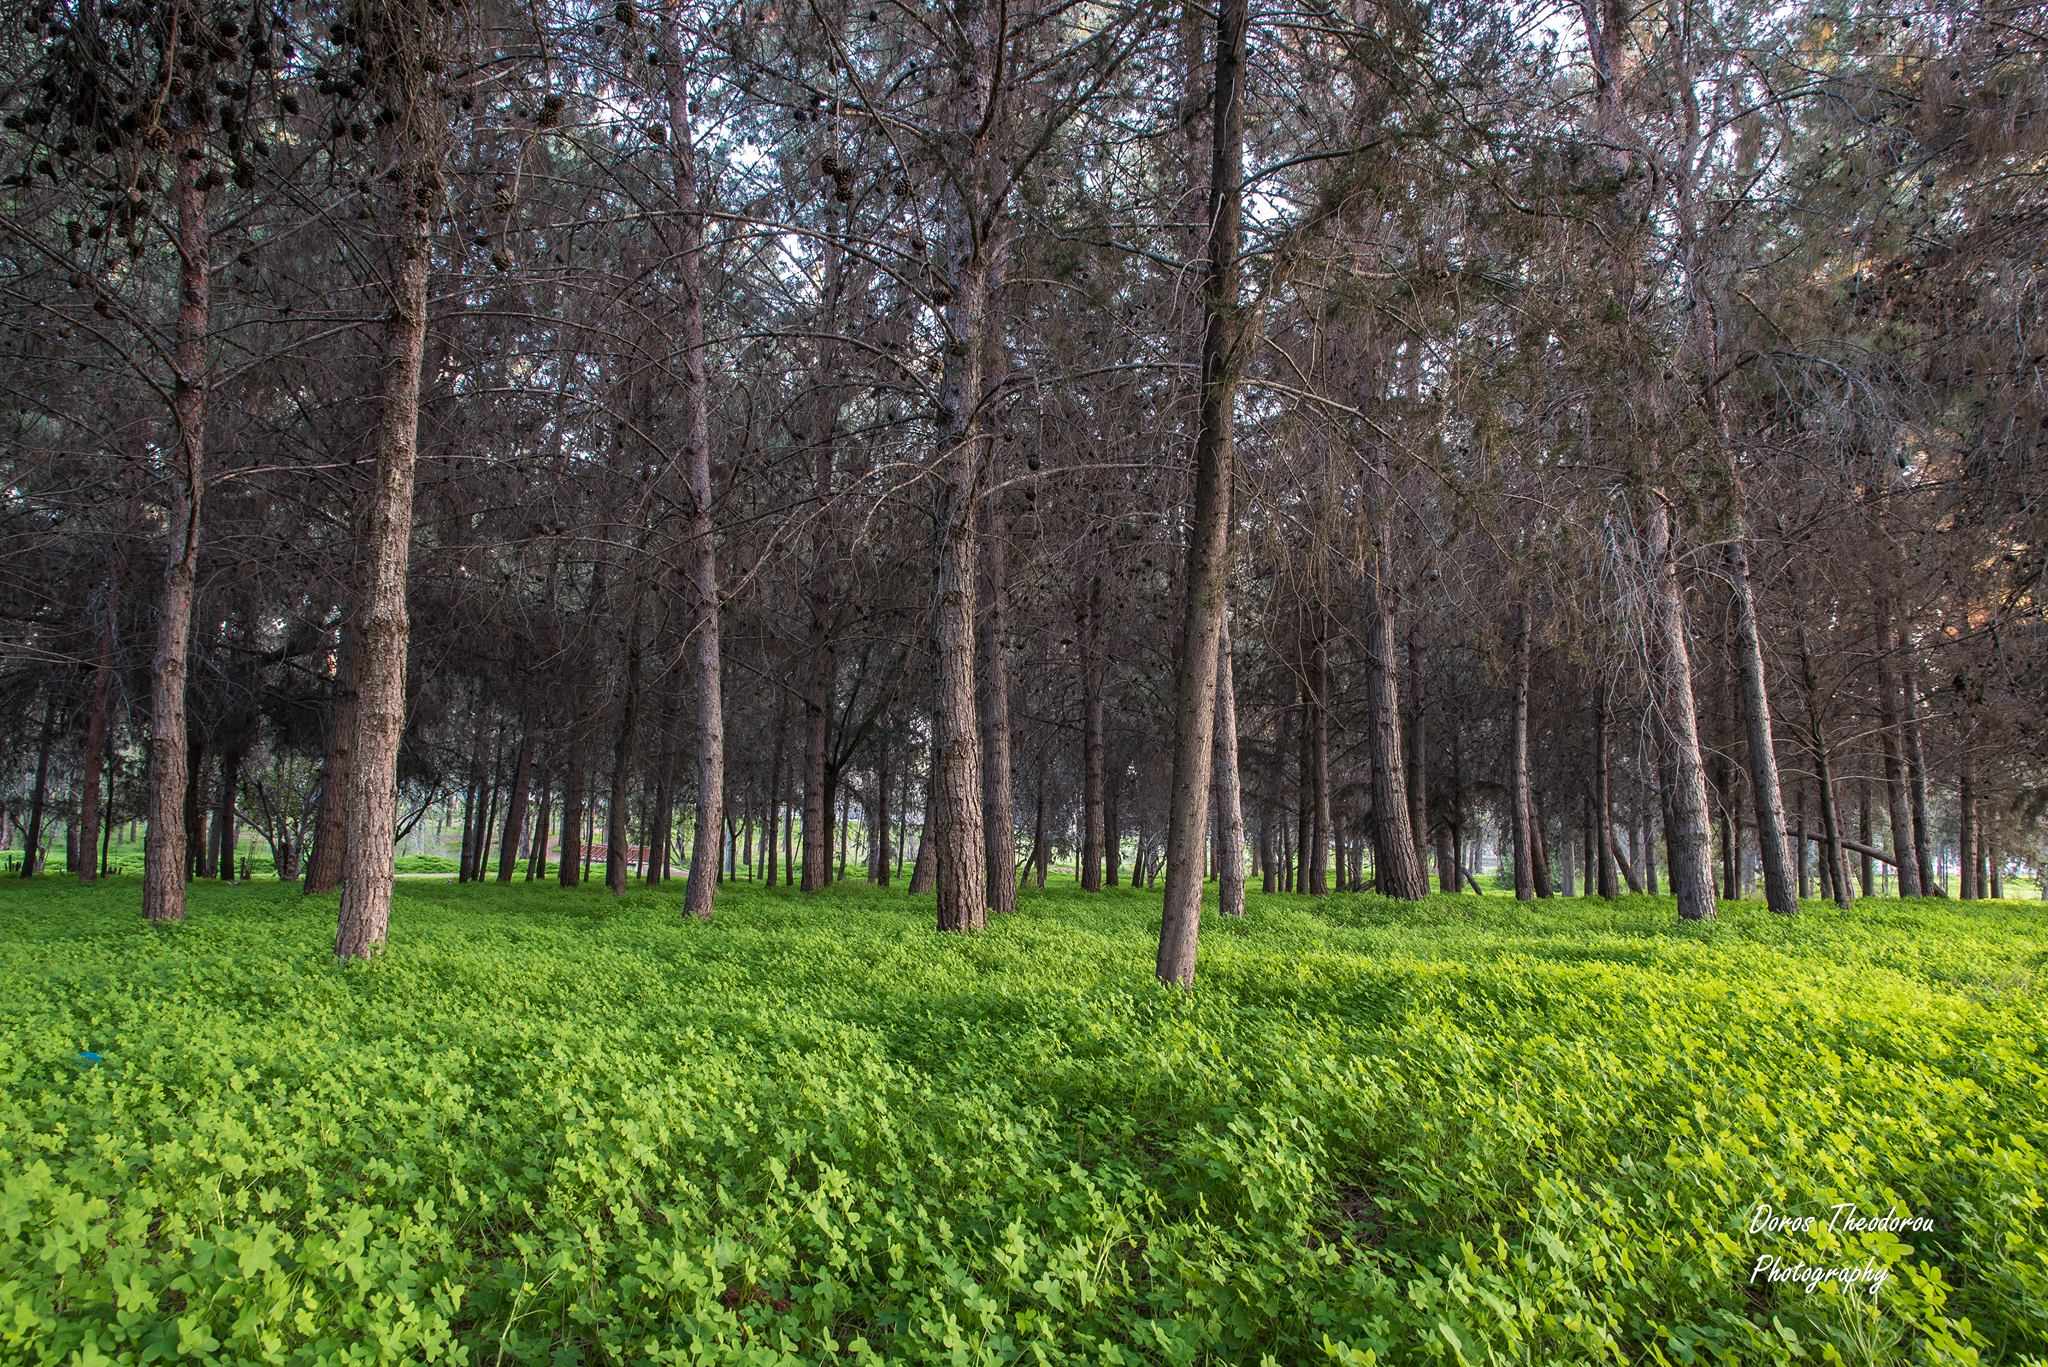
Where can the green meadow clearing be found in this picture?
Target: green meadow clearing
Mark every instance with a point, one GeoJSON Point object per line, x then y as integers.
{"type": "Point", "coordinates": [551, 1126]}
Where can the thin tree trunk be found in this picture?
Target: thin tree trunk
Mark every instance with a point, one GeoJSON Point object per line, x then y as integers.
{"type": "Point", "coordinates": [700, 549]}
{"type": "Point", "coordinates": [165, 857]}
{"type": "Point", "coordinates": [1324, 825]}
{"type": "Point", "coordinates": [537, 857]}
{"type": "Point", "coordinates": [32, 834]}
{"type": "Point", "coordinates": [998, 814]}
{"type": "Point", "coordinates": [570, 860]}
{"type": "Point", "coordinates": [1518, 764]}
{"type": "Point", "coordinates": [1209, 535]}
{"type": "Point", "coordinates": [93, 759]}
{"type": "Point", "coordinates": [226, 835]}
{"type": "Point", "coordinates": [1229, 793]}
{"type": "Point", "coordinates": [515, 803]}
{"type": "Point", "coordinates": [1966, 823]}
{"type": "Point", "coordinates": [1916, 785]}
{"type": "Point", "coordinates": [1603, 802]}
{"type": "Point", "coordinates": [1905, 850]}
{"type": "Point", "coordinates": [1418, 749]}
{"type": "Point", "coordinates": [1092, 742]}
{"type": "Point", "coordinates": [1764, 785]}
{"type": "Point", "coordinates": [617, 840]}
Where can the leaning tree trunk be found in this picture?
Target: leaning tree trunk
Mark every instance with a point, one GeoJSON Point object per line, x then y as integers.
{"type": "Point", "coordinates": [1209, 534]}
{"type": "Point", "coordinates": [1396, 858]}
{"type": "Point", "coordinates": [164, 859]}
{"type": "Point", "coordinates": [1773, 848]}
{"type": "Point", "coordinates": [1229, 791]}
{"type": "Point", "coordinates": [1691, 844]}
{"type": "Point", "coordinates": [372, 799]}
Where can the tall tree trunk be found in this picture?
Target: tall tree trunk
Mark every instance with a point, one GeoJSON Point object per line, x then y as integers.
{"type": "Point", "coordinates": [700, 551]}
{"type": "Point", "coordinates": [226, 834]}
{"type": "Point", "coordinates": [515, 803]}
{"type": "Point", "coordinates": [1905, 851]}
{"type": "Point", "coordinates": [1916, 782]}
{"type": "Point", "coordinates": [617, 840]}
{"type": "Point", "coordinates": [998, 813]}
{"type": "Point", "coordinates": [1966, 823]}
{"type": "Point", "coordinates": [1764, 785]}
{"type": "Point", "coordinates": [165, 857]}
{"type": "Point", "coordinates": [371, 814]}
{"type": "Point", "coordinates": [1692, 877]}
{"type": "Point", "coordinates": [1823, 765]}
{"type": "Point", "coordinates": [1305, 783]}
{"type": "Point", "coordinates": [924, 874]}
{"type": "Point", "coordinates": [543, 826]}
{"type": "Point", "coordinates": [1866, 869]}
{"type": "Point", "coordinates": [1396, 854]}
{"type": "Point", "coordinates": [1418, 749]}
{"type": "Point", "coordinates": [32, 834]}
{"type": "Point", "coordinates": [1603, 799]}
{"type": "Point", "coordinates": [570, 857]}
{"type": "Point", "coordinates": [775, 789]}
{"type": "Point", "coordinates": [1092, 742]}
{"type": "Point", "coordinates": [881, 812]}
{"type": "Point", "coordinates": [1805, 874]}
{"type": "Point", "coordinates": [92, 761]}
{"type": "Point", "coordinates": [1112, 824]}
{"type": "Point", "coordinates": [1519, 815]}
{"type": "Point", "coordinates": [1319, 683]}
{"type": "Point", "coordinates": [1209, 535]}
{"type": "Point", "coordinates": [1229, 790]}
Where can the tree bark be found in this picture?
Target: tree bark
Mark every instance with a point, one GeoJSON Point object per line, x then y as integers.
{"type": "Point", "coordinates": [1396, 853]}
{"type": "Point", "coordinates": [515, 803]}
{"type": "Point", "coordinates": [92, 761]}
{"type": "Point", "coordinates": [1518, 764]}
{"type": "Point", "coordinates": [570, 856]}
{"type": "Point", "coordinates": [1092, 742]}
{"type": "Point", "coordinates": [371, 800]}
{"type": "Point", "coordinates": [998, 809]}
{"type": "Point", "coordinates": [1229, 792]}
{"type": "Point", "coordinates": [1690, 852]}
{"type": "Point", "coordinates": [1765, 787]}
{"type": "Point", "coordinates": [1209, 535]}
{"type": "Point", "coordinates": [617, 839]}
{"type": "Point", "coordinates": [165, 857]}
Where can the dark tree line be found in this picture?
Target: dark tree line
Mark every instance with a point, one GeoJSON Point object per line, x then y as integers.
{"type": "Point", "coordinates": [1307, 447]}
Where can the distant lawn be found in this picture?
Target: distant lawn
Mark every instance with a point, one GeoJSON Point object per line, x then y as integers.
{"type": "Point", "coordinates": [552, 1126]}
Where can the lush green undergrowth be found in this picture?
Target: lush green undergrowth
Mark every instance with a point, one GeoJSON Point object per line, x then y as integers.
{"type": "Point", "coordinates": [552, 1126]}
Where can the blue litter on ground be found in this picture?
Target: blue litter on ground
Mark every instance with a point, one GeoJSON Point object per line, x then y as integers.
{"type": "Point", "coordinates": [88, 1056]}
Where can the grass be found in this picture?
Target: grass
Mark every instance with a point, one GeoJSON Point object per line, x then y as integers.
{"type": "Point", "coordinates": [552, 1126]}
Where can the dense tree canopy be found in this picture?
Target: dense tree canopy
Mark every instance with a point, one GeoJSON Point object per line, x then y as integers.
{"type": "Point", "coordinates": [1615, 436]}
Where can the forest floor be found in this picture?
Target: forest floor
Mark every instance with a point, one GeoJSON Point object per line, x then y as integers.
{"type": "Point", "coordinates": [551, 1125]}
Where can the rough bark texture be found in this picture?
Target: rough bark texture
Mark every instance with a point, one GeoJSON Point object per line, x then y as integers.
{"type": "Point", "coordinates": [1603, 797]}
{"type": "Point", "coordinates": [618, 840]}
{"type": "Point", "coordinates": [372, 795]}
{"type": "Point", "coordinates": [1396, 855]}
{"type": "Point", "coordinates": [1773, 851]}
{"type": "Point", "coordinates": [1690, 849]}
{"type": "Point", "coordinates": [1209, 534]}
{"type": "Point", "coordinates": [1916, 786]}
{"type": "Point", "coordinates": [164, 858]}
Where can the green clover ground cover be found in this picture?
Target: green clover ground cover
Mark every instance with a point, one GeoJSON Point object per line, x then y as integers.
{"type": "Point", "coordinates": [548, 1126]}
